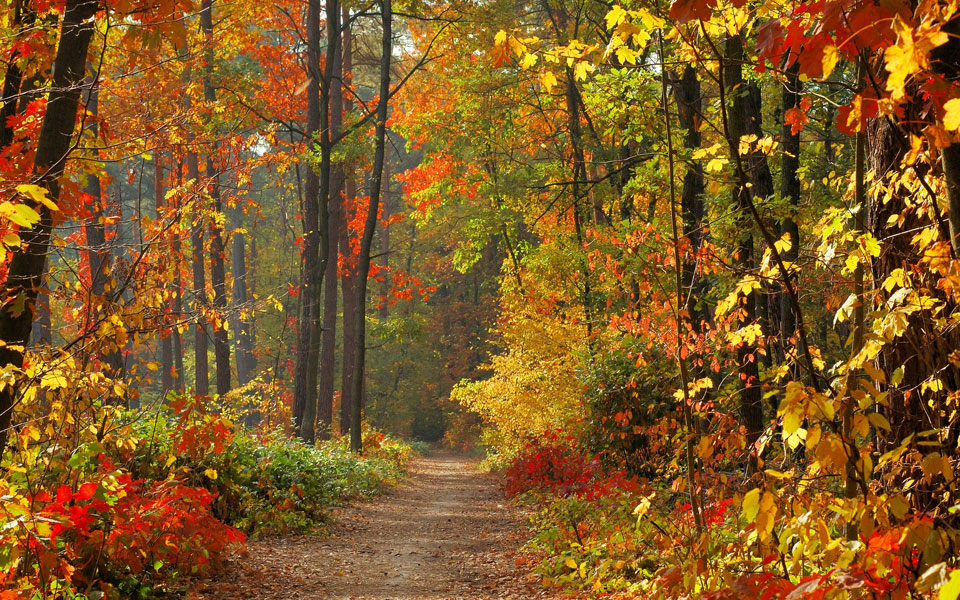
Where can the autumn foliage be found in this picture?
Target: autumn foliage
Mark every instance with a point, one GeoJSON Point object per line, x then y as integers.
{"type": "Point", "coordinates": [688, 272]}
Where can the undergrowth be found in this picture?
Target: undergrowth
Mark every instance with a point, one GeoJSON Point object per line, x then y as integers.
{"type": "Point", "coordinates": [129, 509]}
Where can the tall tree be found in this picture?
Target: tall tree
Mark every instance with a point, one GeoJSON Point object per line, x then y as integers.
{"type": "Point", "coordinates": [370, 224]}
{"type": "Point", "coordinates": [308, 426]}
{"type": "Point", "coordinates": [328, 341]}
{"type": "Point", "coordinates": [737, 126]}
{"type": "Point", "coordinates": [27, 263]}
{"type": "Point", "coordinates": [686, 90]}
{"type": "Point", "coordinates": [348, 276]}
{"type": "Point", "coordinates": [790, 190]}
{"type": "Point", "coordinates": [305, 375]}
{"type": "Point", "coordinates": [201, 384]}
{"type": "Point", "coordinates": [167, 367]}
{"type": "Point", "coordinates": [241, 325]}
{"type": "Point", "coordinates": [218, 277]}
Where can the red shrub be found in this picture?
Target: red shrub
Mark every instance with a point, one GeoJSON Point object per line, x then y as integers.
{"type": "Point", "coordinates": [554, 464]}
{"type": "Point", "coordinates": [116, 527]}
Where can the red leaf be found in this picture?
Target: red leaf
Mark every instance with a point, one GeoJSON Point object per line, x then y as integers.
{"type": "Point", "coordinates": [688, 10]}
{"type": "Point", "coordinates": [796, 118]}
{"type": "Point", "coordinates": [86, 491]}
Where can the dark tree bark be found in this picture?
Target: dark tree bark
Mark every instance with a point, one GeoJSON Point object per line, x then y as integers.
{"type": "Point", "coordinates": [751, 396]}
{"type": "Point", "coordinates": [242, 326]}
{"type": "Point", "coordinates": [790, 190]}
{"type": "Point", "coordinates": [308, 426]}
{"type": "Point", "coordinates": [925, 348]}
{"type": "Point", "coordinates": [384, 246]}
{"type": "Point", "coordinates": [166, 339]}
{"type": "Point", "coordinates": [218, 275]}
{"type": "Point", "coordinates": [201, 385]}
{"type": "Point", "coordinates": [328, 340]}
{"type": "Point", "coordinates": [178, 287]}
{"type": "Point", "coordinates": [579, 172]}
{"type": "Point", "coordinates": [27, 264]}
{"type": "Point", "coordinates": [370, 225]}
{"type": "Point", "coordinates": [945, 60]}
{"type": "Point", "coordinates": [348, 277]}
{"type": "Point", "coordinates": [305, 377]}
{"type": "Point", "coordinates": [23, 17]}
{"type": "Point", "coordinates": [348, 290]}
{"type": "Point", "coordinates": [686, 91]}
{"type": "Point", "coordinates": [761, 188]}
{"type": "Point", "coordinates": [99, 254]}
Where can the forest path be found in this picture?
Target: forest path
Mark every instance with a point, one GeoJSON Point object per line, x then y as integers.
{"type": "Point", "coordinates": [445, 533]}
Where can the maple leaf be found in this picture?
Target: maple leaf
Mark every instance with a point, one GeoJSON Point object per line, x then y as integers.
{"type": "Point", "coordinates": [909, 56]}
{"type": "Point", "coordinates": [769, 39]}
{"type": "Point", "coordinates": [548, 80]}
{"type": "Point", "coordinates": [796, 118]}
{"type": "Point", "coordinates": [684, 11]}
{"type": "Point", "coordinates": [853, 117]}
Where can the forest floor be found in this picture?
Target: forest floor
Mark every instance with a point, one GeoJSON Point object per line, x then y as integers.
{"type": "Point", "coordinates": [445, 533]}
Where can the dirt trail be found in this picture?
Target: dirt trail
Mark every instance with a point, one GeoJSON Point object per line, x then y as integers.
{"type": "Point", "coordinates": [446, 533]}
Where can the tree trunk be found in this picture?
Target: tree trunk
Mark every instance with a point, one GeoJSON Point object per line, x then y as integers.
{"type": "Point", "coordinates": [579, 172]}
{"type": "Point", "coordinates": [370, 225]}
{"type": "Point", "coordinates": [99, 255]}
{"type": "Point", "coordinates": [348, 277]}
{"type": "Point", "coordinates": [328, 340]}
{"type": "Point", "coordinates": [218, 275]}
{"type": "Point", "coordinates": [166, 340]}
{"type": "Point", "coordinates": [790, 190]}
{"type": "Point", "coordinates": [23, 17]}
{"type": "Point", "coordinates": [26, 266]}
{"type": "Point", "coordinates": [242, 327]}
{"type": "Point", "coordinates": [348, 291]}
{"type": "Point", "coordinates": [201, 385]}
{"type": "Point", "coordinates": [924, 349]}
{"type": "Point", "coordinates": [689, 107]}
{"type": "Point", "coordinates": [309, 294]}
{"type": "Point", "coordinates": [322, 245]}
{"type": "Point", "coordinates": [945, 60]}
{"type": "Point", "coordinates": [751, 396]}
{"type": "Point", "coordinates": [178, 287]}
{"type": "Point", "coordinates": [384, 249]}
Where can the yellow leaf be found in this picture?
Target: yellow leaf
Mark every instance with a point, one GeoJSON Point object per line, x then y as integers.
{"type": "Point", "coordinates": [951, 589]}
{"type": "Point", "coordinates": [751, 504]}
{"type": "Point", "coordinates": [20, 214]}
{"type": "Point", "coordinates": [37, 193]}
{"type": "Point", "coordinates": [830, 58]}
{"type": "Point", "coordinates": [548, 80]}
{"type": "Point", "coordinates": [581, 69]}
{"type": "Point", "coordinates": [951, 120]}
{"type": "Point", "coordinates": [211, 473]}
{"type": "Point", "coordinates": [53, 381]}
{"type": "Point", "coordinates": [31, 433]}
{"type": "Point", "coordinates": [626, 55]}
{"type": "Point", "coordinates": [642, 508]}
{"type": "Point", "coordinates": [715, 165]}
{"type": "Point", "coordinates": [615, 16]}
{"type": "Point", "coordinates": [11, 239]}
{"type": "Point", "coordinates": [570, 563]}
{"type": "Point", "coordinates": [879, 421]}
{"type": "Point", "coordinates": [910, 55]}
{"type": "Point", "coordinates": [528, 61]}
{"type": "Point", "coordinates": [766, 515]}
{"type": "Point", "coordinates": [501, 38]}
